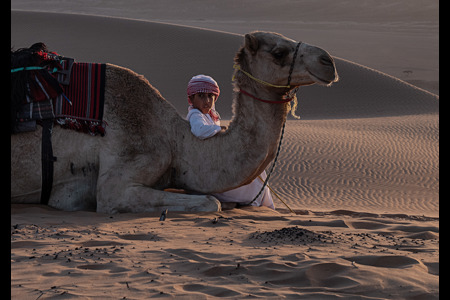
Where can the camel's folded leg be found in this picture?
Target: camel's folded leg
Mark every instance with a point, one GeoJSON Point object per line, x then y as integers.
{"type": "Point", "coordinates": [145, 199]}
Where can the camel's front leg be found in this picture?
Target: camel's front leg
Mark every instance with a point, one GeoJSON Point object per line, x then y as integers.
{"type": "Point", "coordinates": [145, 199]}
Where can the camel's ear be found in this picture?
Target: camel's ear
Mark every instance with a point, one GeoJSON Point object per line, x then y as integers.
{"type": "Point", "coordinates": [251, 43]}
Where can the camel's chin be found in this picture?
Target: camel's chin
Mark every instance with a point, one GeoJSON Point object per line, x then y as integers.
{"type": "Point", "coordinates": [304, 84]}
{"type": "Point", "coordinates": [321, 81]}
{"type": "Point", "coordinates": [313, 79]}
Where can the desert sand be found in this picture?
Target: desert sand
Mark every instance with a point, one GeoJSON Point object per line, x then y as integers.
{"type": "Point", "coordinates": [360, 169]}
{"type": "Point", "coordinates": [239, 254]}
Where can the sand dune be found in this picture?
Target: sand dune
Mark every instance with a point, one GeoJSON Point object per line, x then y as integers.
{"type": "Point", "coordinates": [397, 37]}
{"type": "Point", "coordinates": [136, 45]}
{"type": "Point", "coordinates": [361, 92]}
{"type": "Point", "coordinates": [360, 169]}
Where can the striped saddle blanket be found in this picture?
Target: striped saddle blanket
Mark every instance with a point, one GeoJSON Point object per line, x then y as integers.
{"type": "Point", "coordinates": [80, 104]}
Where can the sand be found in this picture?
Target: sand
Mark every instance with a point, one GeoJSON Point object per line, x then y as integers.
{"type": "Point", "coordinates": [397, 37]}
{"type": "Point", "coordinates": [239, 254]}
{"type": "Point", "coordinates": [360, 169]}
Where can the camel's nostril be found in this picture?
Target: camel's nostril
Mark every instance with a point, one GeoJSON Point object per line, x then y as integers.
{"type": "Point", "coordinates": [326, 60]}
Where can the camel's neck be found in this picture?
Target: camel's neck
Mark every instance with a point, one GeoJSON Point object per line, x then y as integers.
{"type": "Point", "coordinates": [265, 119]}
{"type": "Point", "coordinates": [241, 153]}
{"type": "Point", "coordinates": [260, 123]}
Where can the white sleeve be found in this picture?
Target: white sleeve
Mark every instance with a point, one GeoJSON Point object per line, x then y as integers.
{"type": "Point", "coordinates": [200, 128]}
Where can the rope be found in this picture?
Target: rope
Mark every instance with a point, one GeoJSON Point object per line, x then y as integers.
{"type": "Point", "coordinates": [265, 101]}
{"type": "Point", "coordinates": [279, 198]}
{"type": "Point", "coordinates": [238, 67]}
{"type": "Point", "coordinates": [273, 165]}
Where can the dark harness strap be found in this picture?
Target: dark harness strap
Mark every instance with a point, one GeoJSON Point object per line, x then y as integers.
{"type": "Point", "coordinates": [47, 160]}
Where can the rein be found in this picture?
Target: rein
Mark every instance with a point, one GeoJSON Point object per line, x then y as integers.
{"type": "Point", "coordinates": [289, 97]}
{"type": "Point", "coordinates": [238, 67]}
{"type": "Point", "coordinates": [266, 101]}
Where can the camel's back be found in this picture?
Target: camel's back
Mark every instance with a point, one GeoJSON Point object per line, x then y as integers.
{"type": "Point", "coordinates": [137, 114]}
{"type": "Point", "coordinates": [139, 120]}
{"type": "Point", "coordinates": [132, 103]}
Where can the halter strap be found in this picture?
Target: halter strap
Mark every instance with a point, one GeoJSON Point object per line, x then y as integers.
{"type": "Point", "coordinates": [293, 63]}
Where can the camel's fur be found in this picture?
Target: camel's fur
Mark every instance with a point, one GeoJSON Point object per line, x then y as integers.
{"type": "Point", "coordinates": [149, 147]}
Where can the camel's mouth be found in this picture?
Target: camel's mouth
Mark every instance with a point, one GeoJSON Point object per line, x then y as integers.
{"type": "Point", "coordinates": [321, 81]}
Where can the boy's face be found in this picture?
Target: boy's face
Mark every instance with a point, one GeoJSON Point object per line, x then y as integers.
{"type": "Point", "coordinates": [203, 101]}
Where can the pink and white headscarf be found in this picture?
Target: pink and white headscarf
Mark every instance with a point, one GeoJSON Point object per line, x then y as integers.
{"type": "Point", "coordinates": [204, 84]}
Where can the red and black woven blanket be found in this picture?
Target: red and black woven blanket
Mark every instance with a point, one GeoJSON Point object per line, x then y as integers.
{"type": "Point", "coordinates": [73, 95]}
{"type": "Point", "coordinates": [80, 107]}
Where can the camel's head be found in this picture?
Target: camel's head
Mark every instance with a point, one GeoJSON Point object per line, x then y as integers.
{"type": "Point", "coordinates": [269, 57]}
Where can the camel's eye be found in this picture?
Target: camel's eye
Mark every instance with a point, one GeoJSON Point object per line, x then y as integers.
{"type": "Point", "coordinates": [280, 53]}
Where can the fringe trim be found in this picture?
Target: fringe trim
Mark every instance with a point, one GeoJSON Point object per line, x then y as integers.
{"type": "Point", "coordinates": [86, 126]}
{"type": "Point", "coordinates": [294, 106]}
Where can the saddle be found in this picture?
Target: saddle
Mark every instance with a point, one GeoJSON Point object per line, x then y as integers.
{"type": "Point", "coordinates": [72, 95]}
{"type": "Point", "coordinates": [47, 88]}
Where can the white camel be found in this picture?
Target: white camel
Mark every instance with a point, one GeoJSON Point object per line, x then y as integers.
{"type": "Point", "coordinates": [149, 147]}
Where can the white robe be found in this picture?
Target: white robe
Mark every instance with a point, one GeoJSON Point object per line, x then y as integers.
{"type": "Point", "coordinates": [202, 126]}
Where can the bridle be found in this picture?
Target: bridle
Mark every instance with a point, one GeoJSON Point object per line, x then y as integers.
{"type": "Point", "coordinates": [288, 97]}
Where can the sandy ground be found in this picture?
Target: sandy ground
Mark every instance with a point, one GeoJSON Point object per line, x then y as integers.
{"type": "Point", "coordinates": [252, 253]}
{"type": "Point", "coordinates": [360, 169]}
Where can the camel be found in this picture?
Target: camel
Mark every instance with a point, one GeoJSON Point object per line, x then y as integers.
{"type": "Point", "coordinates": [149, 148]}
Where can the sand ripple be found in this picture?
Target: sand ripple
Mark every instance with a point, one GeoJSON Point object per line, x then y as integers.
{"type": "Point", "coordinates": [240, 253]}
{"type": "Point", "coordinates": [389, 165]}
